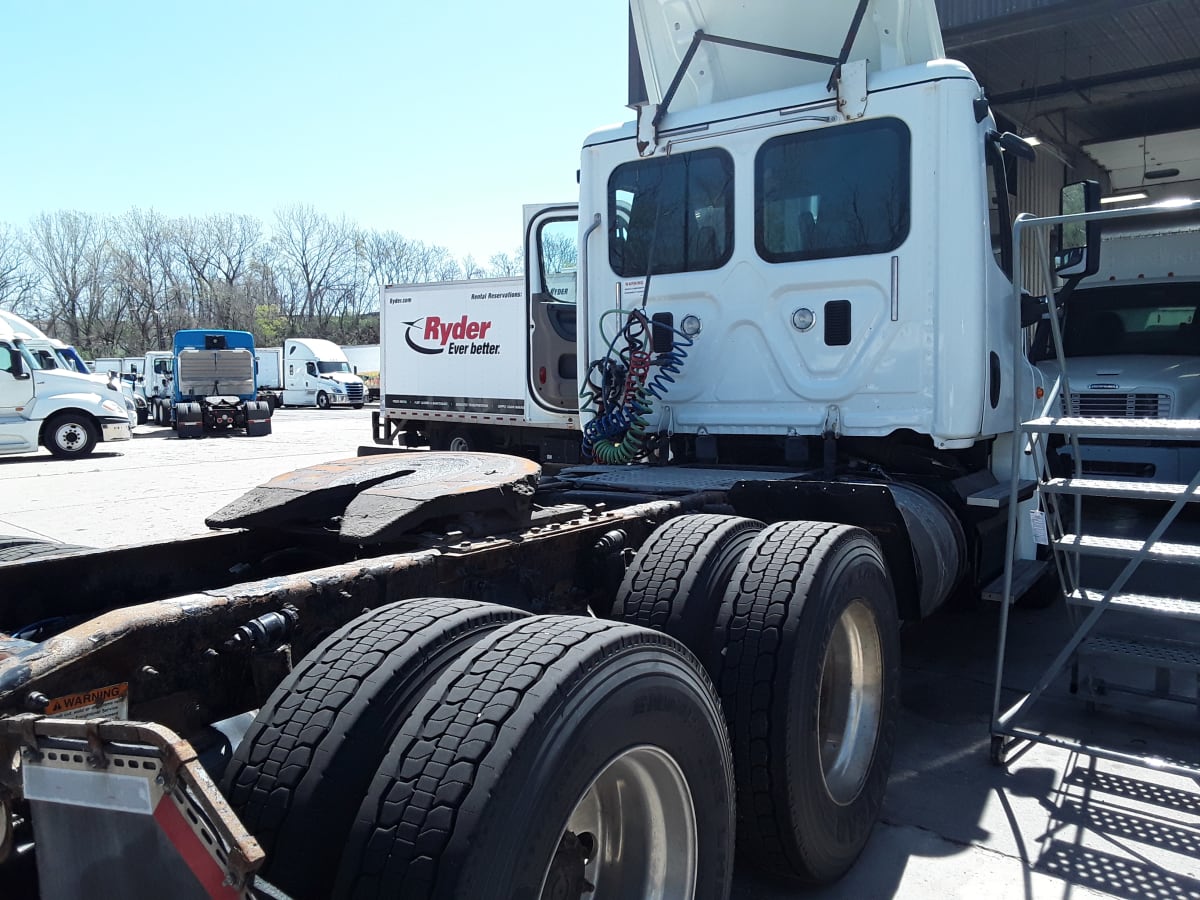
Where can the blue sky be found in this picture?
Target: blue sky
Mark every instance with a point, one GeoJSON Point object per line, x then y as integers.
{"type": "Point", "coordinates": [434, 120]}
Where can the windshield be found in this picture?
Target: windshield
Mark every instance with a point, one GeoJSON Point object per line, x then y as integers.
{"type": "Point", "coordinates": [328, 368]}
{"type": "Point", "coordinates": [1148, 319]}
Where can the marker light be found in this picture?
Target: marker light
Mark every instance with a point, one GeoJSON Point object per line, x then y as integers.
{"type": "Point", "coordinates": [691, 325]}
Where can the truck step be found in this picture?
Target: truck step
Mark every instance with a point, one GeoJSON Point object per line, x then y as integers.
{"type": "Point", "coordinates": [1026, 573]}
{"type": "Point", "coordinates": [996, 496]}
{"type": "Point", "coordinates": [1145, 604]}
{"type": "Point", "coordinates": [1126, 548]}
{"type": "Point", "coordinates": [1163, 429]}
{"type": "Point", "coordinates": [1125, 490]}
{"type": "Point", "coordinates": [1160, 654]}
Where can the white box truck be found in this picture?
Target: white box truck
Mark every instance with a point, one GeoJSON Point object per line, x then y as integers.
{"type": "Point", "coordinates": [317, 373]}
{"type": "Point", "coordinates": [1132, 340]}
{"type": "Point", "coordinates": [364, 362]}
{"type": "Point", "coordinates": [43, 403]}
{"type": "Point", "coordinates": [269, 361]}
{"type": "Point", "coordinates": [484, 364]}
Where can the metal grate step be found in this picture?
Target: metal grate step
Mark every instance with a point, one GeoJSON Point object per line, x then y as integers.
{"type": "Point", "coordinates": [1126, 548]}
{"type": "Point", "coordinates": [1125, 490]}
{"type": "Point", "coordinates": [1164, 429]}
{"type": "Point", "coordinates": [1146, 604]}
{"type": "Point", "coordinates": [1180, 657]}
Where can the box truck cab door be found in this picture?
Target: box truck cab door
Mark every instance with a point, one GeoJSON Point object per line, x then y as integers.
{"type": "Point", "coordinates": [16, 383]}
{"type": "Point", "coordinates": [551, 256]}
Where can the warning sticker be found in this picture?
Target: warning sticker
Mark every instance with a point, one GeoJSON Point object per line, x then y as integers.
{"type": "Point", "coordinates": [110, 702]}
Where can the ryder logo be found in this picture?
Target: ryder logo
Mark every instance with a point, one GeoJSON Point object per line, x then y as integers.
{"type": "Point", "coordinates": [433, 335]}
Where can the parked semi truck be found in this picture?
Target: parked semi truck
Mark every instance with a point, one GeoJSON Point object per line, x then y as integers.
{"type": "Point", "coordinates": [44, 402]}
{"type": "Point", "coordinates": [213, 385]}
{"type": "Point", "coordinates": [801, 422]}
{"type": "Point", "coordinates": [1132, 340]}
{"type": "Point", "coordinates": [317, 373]}
{"type": "Point", "coordinates": [485, 364]}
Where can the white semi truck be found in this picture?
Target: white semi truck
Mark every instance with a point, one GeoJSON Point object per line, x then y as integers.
{"type": "Point", "coordinates": [45, 403]}
{"type": "Point", "coordinates": [310, 372]}
{"type": "Point", "coordinates": [801, 421]}
{"type": "Point", "coordinates": [485, 364]}
{"type": "Point", "coordinates": [1132, 341]}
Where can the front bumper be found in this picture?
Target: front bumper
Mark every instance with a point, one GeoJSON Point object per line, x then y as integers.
{"type": "Point", "coordinates": [115, 430]}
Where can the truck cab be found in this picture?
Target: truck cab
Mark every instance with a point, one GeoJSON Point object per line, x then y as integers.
{"type": "Point", "coordinates": [810, 236]}
{"type": "Point", "coordinates": [317, 373]}
{"type": "Point", "coordinates": [43, 403]}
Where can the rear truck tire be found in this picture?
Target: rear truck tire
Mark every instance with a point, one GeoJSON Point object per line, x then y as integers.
{"type": "Point", "coordinates": [358, 405]}
{"type": "Point", "coordinates": [258, 418]}
{"type": "Point", "coordinates": [189, 420]}
{"type": "Point", "coordinates": [299, 775]}
{"type": "Point", "coordinates": [69, 435]}
{"type": "Point", "coordinates": [679, 575]}
{"type": "Point", "coordinates": [809, 680]}
{"type": "Point", "coordinates": [143, 415]}
{"type": "Point", "coordinates": [322, 400]}
{"type": "Point", "coordinates": [458, 438]}
{"type": "Point", "coordinates": [557, 753]}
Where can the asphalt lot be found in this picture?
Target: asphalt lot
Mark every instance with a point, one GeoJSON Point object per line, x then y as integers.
{"type": "Point", "coordinates": [1055, 824]}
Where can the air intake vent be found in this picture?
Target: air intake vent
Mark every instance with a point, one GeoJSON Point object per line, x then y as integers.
{"type": "Point", "coordinates": [837, 323]}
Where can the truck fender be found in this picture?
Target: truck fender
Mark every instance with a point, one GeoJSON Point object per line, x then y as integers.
{"type": "Point", "coordinates": [922, 539]}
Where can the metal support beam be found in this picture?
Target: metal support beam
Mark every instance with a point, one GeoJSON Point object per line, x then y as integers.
{"type": "Point", "coordinates": [1072, 85]}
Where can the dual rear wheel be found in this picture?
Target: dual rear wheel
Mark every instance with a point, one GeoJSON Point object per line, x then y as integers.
{"type": "Point", "coordinates": [445, 748]}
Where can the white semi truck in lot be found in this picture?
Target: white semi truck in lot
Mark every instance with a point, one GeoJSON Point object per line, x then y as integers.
{"type": "Point", "coordinates": [1132, 340]}
{"type": "Point", "coordinates": [484, 364]}
{"type": "Point", "coordinates": [44, 403]}
{"type": "Point", "coordinates": [310, 372]}
{"type": "Point", "coordinates": [801, 419]}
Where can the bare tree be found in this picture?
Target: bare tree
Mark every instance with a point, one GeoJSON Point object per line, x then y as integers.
{"type": "Point", "coordinates": [217, 252]}
{"type": "Point", "coordinates": [503, 265]}
{"type": "Point", "coordinates": [16, 280]}
{"type": "Point", "coordinates": [68, 252]}
{"type": "Point", "coordinates": [146, 280]}
{"type": "Point", "coordinates": [470, 268]}
{"type": "Point", "coordinates": [316, 263]}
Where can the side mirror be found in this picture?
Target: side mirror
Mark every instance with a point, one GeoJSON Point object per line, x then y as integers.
{"type": "Point", "coordinates": [19, 371]}
{"type": "Point", "coordinates": [1078, 242]}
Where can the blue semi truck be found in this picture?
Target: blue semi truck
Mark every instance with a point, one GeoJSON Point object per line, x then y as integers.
{"type": "Point", "coordinates": [215, 385]}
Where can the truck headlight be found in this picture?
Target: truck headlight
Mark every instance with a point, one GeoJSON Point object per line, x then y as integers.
{"type": "Point", "coordinates": [113, 407]}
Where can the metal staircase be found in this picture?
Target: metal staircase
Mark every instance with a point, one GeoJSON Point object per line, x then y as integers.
{"type": "Point", "coordinates": [1130, 648]}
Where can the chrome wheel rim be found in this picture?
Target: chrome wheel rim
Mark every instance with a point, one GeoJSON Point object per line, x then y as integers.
{"type": "Point", "coordinates": [851, 702]}
{"type": "Point", "coordinates": [69, 436]}
{"type": "Point", "coordinates": [632, 834]}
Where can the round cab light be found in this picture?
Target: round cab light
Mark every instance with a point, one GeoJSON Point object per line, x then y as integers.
{"type": "Point", "coordinates": [803, 319]}
{"type": "Point", "coordinates": [691, 325]}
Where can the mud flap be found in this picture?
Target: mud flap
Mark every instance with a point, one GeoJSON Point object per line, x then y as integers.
{"type": "Point", "coordinates": [125, 810]}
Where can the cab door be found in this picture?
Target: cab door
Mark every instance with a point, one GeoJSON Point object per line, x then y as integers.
{"type": "Point", "coordinates": [551, 261]}
{"type": "Point", "coordinates": [16, 393]}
